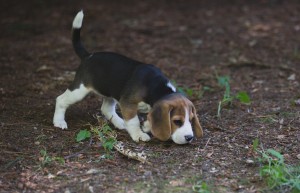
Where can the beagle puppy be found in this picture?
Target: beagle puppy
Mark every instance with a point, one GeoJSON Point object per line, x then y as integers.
{"type": "Point", "coordinates": [134, 86]}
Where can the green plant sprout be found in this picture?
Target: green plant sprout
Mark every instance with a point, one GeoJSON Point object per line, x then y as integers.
{"type": "Point", "coordinates": [201, 187]}
{"type": "Point", "coordinates": [107, 137]}
{"type": "Point", "coordinates": [47, 160]}
{"type": "Point", "coordinates": [277, 174]}
{"type": "Point", "coordinates": [228, 98]}
{"type": "Point", "coordinates": [255, 144]}
{"type": "Point", "coordinates": [193, 93]}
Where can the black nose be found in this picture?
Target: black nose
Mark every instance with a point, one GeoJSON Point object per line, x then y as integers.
{"type": "Point", "coordinates": [189, 138]}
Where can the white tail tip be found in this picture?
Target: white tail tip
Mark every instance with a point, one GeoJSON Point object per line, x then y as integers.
{"type": "Point", "coordinates": [77, 22]}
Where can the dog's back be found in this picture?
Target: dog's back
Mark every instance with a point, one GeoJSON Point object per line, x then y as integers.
{"type": "Point", "coordinates": [105, 72]}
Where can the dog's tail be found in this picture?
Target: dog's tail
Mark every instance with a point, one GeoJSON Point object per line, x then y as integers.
{"type": "Point", "coordinates": [77, 45]}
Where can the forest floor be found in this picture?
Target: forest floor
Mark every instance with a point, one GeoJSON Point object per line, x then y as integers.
{"type": "Point", "coordinates": [256, 44]}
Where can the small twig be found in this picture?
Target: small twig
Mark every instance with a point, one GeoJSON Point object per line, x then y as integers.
{"type": "Point", "coordinates": [119, 146]}
{"type": "Point", "coordinates": [12, 163]}
{"type": "Point", "coordinates": [252, 64]}
{"type": "Point", "coordinates": [12, 152]}
{"type": "Point", "coordinates": [80, 152]}
{"type": "Point", "coordinates": [206, 144]}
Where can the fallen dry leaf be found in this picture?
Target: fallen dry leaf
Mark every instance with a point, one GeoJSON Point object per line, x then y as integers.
{"type": "Point", "coordinates": [51, 176]}
{"type": "Point", "coordinates": [44, 68]}
{"type": "Point", "coordinates": [209, 154]}
{"type": "Point", "coordinates": [175, 183]}
{"type": "Point", "coordinates": [280, 136]}
{"type": "Point", "coordinates": [213, 170]}
{"type": "Point", "coordinates": [292, 77]}
{"type": "Point", "coordinates": [249, 161]}
{"type": "Point", "coordinates": [85, 179]}
{"type": "Point", "coordinates": [261, 27]}
{"type": "Point", "coordinates": [93, 171]}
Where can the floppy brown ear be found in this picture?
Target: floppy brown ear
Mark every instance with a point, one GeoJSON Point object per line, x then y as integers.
{"type": "Point", "coordinates": [196, 124]}
{"type": "Point", "coordinates": [159, 118]}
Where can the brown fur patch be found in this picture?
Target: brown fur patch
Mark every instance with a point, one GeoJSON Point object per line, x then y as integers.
{"type": "Point", "coordinates": [129, 102]}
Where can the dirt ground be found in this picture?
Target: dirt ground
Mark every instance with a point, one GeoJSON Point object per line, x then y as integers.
{"type": "Point", "coordinates": [255, 43]}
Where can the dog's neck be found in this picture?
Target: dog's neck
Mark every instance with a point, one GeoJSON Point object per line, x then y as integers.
{"type": "Point", "coordinates": [158, 91]}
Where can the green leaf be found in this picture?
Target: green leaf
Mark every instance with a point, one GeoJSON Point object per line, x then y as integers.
{"type": "Point", "coordinates": [266, 157]}
{"type": "Point", "coordinates": [255, 144]}
{"type": "Point", "coordinates": [189, 91]}
{"type": "Point", "coordinates": [207, 88]}
{"type": "Point", "coordinates": [223, 80]}
{"type": "Point", "coordinates": [109, 143]}
{"type": "Point", "coordinates": [43, 152]}
{"type": "Point", "coordinates": [276, 154]}
{"type": "Point", "coordinates": [60, 160]}
{"type": "Point", "coordinates": [243, 97]}
{"type": "Point", "coordinates": [201, 187]}
{"type": "Point", "coordinates": [106, 128]}
{"type": "Point", "coordinates": [82, 135]}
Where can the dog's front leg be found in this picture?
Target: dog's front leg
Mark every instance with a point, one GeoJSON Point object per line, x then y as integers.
{"type": "Point", "coordinates": [146, 127]}
{"type": "Point", "coordinates": [132, 123]}
{"type": "Point", "coordinates": [134, 130]}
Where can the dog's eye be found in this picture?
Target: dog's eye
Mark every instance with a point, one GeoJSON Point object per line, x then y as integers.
{"type": "Point", "coordinates": [178, 122]}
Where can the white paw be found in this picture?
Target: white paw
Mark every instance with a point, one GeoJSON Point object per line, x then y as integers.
{"type": "Point", "coordinates": [140, 136]}
{"type": "Point", "coordinates": [60, 124]}
{"type": "Point", "coordinates": [146, 127]}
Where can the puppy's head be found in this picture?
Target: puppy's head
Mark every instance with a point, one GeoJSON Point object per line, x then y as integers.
{"type": "Point", "coordinates": [175, 117]}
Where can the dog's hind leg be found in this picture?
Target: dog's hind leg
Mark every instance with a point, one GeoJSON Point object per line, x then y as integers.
{"type": "Point", "coordinates": [66, 99]}
{"type": "Point", "coordinates": [108, 109]}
